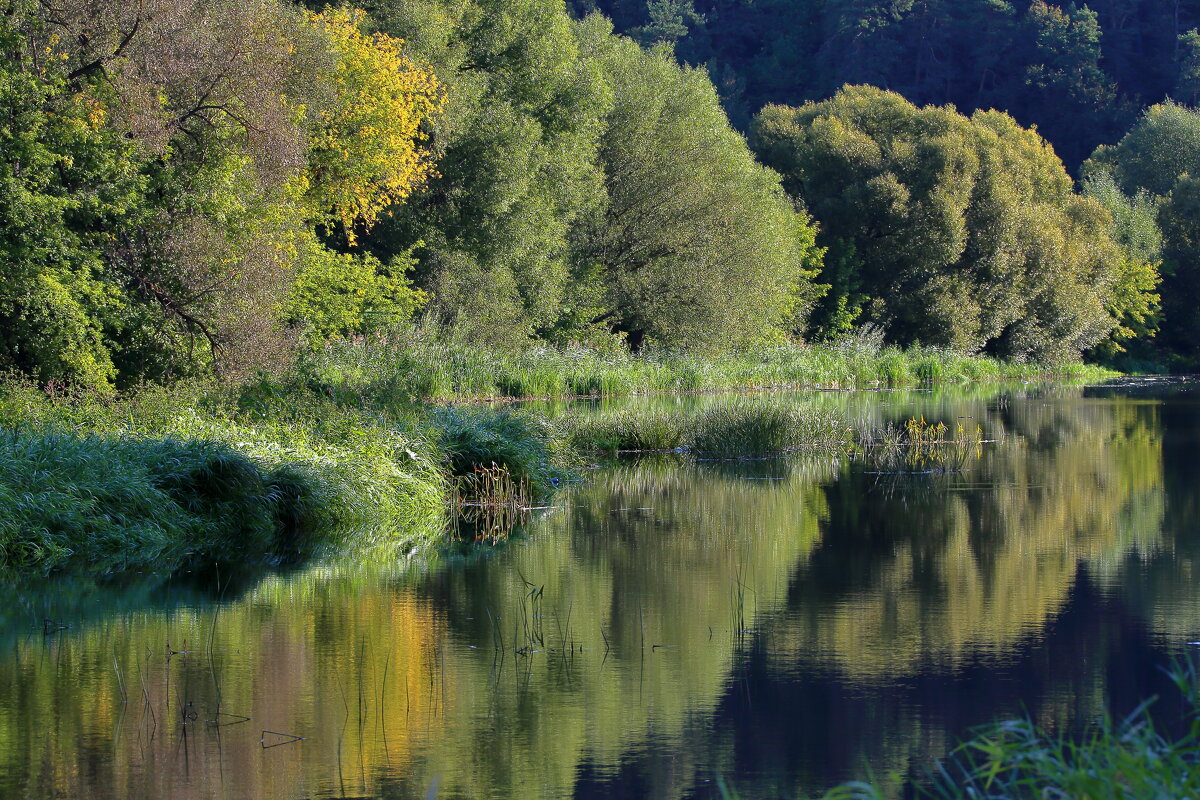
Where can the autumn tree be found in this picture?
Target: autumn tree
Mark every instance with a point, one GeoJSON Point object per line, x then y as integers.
{"type": "Point", "coordinates": [201, 142]}
{"type": "Point", "coordinates": [365, 140]}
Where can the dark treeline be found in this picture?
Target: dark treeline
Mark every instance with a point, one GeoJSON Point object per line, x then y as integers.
{"type": "Point", "coordinates": [191, 187]}
{"type": "Point", "coordinates": [1081, 72]}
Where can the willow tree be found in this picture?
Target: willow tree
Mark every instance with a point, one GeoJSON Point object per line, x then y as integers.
{"type": "Point", "coordinates": [697, 245]}
{"type": "Point", "coordinates": [952, 231]}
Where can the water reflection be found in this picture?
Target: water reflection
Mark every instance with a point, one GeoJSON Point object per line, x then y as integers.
{"type": "Point", "coordinates": [784, 624]}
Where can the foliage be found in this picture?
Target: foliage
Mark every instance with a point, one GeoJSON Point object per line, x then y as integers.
{"type": "Point", "coordinates": [491, 232]}
{"type": "Point", "coordinates": [1154, 161]}
{"type": "Point", "coordinates": [56, 305]}
{"type": "Point", "coordinates": [952, 231]}
{"type": "Point", "coordinates": [365, 150]}
{"type": "Point", "coordinates": [1076, 71]}
{"type": "Point", "coordinates": [698, 245]}
{"type": "Point", "coordinates": [343, 294]}
{"type": "Point", "coordinates": [1136, 229]}
{"type": "Point", "coordinates": [166, 168]}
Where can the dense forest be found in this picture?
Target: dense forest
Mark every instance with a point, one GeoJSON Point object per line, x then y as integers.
{"type": "Point", "coordinates": [1080, 72]}
{"type": "Point", "coordinates": [191, 188]}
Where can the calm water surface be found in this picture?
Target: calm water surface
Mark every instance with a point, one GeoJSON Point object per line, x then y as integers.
{"type": "Point", "coordinates": [782, 624]}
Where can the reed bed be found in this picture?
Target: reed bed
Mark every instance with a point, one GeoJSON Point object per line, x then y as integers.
{"type": "Point", "coordinates": [417, 365]}
{"type": "Point", "coordinates": [736, 428]}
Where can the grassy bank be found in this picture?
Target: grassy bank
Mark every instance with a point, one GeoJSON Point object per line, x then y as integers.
{"type": "Point", "coordinates": [420, 367]}
{"type": "Point", "coordinates": [164, 476]}
{"type": "Point", "coordinates": [342, 453]}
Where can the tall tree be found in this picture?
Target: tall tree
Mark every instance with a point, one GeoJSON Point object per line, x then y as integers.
{"type": "Point", "coordinates": [517, 161]}
{"type": "Point", "coordinates": [190, 147]}
{"type": "Point", "coordinates": [697, 244]}
{"type": "Point", "coordinates": [1158, 157]}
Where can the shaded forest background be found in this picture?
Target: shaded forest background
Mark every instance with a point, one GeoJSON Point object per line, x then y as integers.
{"type": "Point", "coordinates": [1080, 72]}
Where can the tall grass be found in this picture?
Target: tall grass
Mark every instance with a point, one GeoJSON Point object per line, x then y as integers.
{"type": "Point", "coordinates": [755, 428]}
{"type": "Point", "coordinates": [206, 476]}
{"type": "Point", "coordinates": [419, 366]}
{"type": "Point", "coordinates": [735, 428]}
{"type": "Point", "coordinates": [523, 444]}
{"type": "Point", "coordinates": [125, 502]}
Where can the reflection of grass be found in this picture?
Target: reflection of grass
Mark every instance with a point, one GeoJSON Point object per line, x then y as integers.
{"type": "Point", "coordinates": [1015, 759]}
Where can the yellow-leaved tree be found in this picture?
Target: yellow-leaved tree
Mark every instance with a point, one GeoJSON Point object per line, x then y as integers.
{"type": "Point", "coordinates": [366, 147]}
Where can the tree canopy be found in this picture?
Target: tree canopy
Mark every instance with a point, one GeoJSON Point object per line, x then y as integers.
{"type": "Point", "coordinates": [491, 232]}
{"type": "Point", "coordinates": [697, 244]}
{"type": "Point", "coordinates": [1078, 71]}
{"type": "Point", "coordinates": [166, 166]}
{"type": "Point", "coordinates": [1155, 162]}
{"type": "Point", "coordinates": [950, 230]}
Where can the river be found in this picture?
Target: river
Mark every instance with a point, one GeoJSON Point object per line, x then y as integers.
{"type": "Point", "coordinates": [780, 625]}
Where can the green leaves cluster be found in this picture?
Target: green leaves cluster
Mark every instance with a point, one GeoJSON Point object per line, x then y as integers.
{"type": "Point", "coordinates": [199, 188]}
{"type": "Point", "coordinates": [65, 182]}
{"type": "Point", "coordinates": [958, 231]}
{"type": "Point", "coordinates": [698, 244]}
{"type": "Point", "coordinates": [588, 187]}
{"type": "Point", "coordinates": [1154, 163]}
{"type": "Point", "coordinates": [1078, 71]}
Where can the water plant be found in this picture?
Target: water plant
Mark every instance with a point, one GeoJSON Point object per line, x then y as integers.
{"type": "Point", "coordinates": [629, 430]}
{"type": "Point", "coordinates": [1126, 759]}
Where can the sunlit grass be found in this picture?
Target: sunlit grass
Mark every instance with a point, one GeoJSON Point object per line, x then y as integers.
{"type": "Point", "coordinates": [419, 366]}
{"type": "Point", "coordinates": [729, 428]}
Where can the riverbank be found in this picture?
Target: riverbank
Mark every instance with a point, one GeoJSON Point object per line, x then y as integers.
{"type": "Point", "coordinates": [346, 451]}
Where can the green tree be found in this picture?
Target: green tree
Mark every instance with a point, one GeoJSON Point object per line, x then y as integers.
{"type": "Point", "coordinates": [1187, 87]}
{"type": "Point", "coordinates": [1136, 229]}
{"type": "Point", "coordinates": [948, 230]}
{"type": "Point", "coordinates": [517, 161]}
{"type": "Point", "coordinates": [1071, 95]}
{"type": "Point", "coordinates": [1157, 157]}
{"type": "Point", "coordinates": [698, 245]}
{"type": "Point", "coordinates": [65, 179]}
